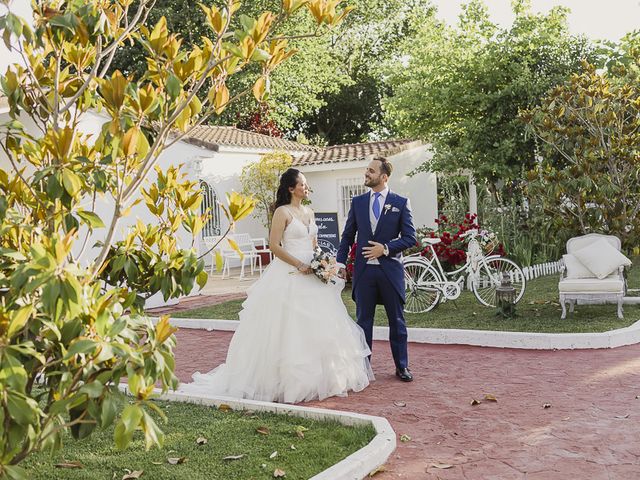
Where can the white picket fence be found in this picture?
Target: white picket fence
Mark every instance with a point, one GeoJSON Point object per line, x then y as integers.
{"type": "Point", "coordinates": [542, 269]}
{"type": "Point", "coordinates": [534, 271]}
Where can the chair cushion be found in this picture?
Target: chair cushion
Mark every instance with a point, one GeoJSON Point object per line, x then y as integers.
{"type": "Point", "coordinates": [611, 284]}
{"type": "Point", "coordinates": [601, 258]}
{"type": "Point", "coordinates": [575, 268]}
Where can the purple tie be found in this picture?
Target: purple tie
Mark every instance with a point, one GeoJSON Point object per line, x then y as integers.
{"type": "Point", "coordinates": [376, 206]}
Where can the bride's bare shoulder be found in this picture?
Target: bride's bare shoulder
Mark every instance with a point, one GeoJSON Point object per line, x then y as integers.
{"type": "Point", "coordinates": [282, 215]}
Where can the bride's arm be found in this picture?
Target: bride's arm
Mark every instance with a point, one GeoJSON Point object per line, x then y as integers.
{"type": "Point", "coordinates": [278, 224]}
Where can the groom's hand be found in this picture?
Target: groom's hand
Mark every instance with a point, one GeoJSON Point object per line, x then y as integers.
{"type": "Point", "coordinates": [374, 251]}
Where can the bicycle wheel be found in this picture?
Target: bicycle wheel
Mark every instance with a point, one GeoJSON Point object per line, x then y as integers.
{"type": "Point", "coordinates": [490, 275]}
{"type": "Point", "coordinates": [420, 292]}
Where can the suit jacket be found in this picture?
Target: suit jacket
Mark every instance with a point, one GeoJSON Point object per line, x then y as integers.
{"type": "Point", "coordinates": [395, 229]}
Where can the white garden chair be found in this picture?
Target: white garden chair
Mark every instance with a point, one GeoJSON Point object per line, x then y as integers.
{"type": "Point", "coordinates": [250, 254]}
{"type": "Point", "coordinates": [593, 272]}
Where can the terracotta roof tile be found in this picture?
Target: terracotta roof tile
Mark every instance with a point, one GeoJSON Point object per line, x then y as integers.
{"type": "Point", "coordinates": [214, 136]}
{"type": "Point", "coordinates": [356, 151]}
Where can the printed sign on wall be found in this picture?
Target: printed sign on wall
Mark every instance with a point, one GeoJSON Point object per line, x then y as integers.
{"type": "Point", "coordinates": [328, 239]}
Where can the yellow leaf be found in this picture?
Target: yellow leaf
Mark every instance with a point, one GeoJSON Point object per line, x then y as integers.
{"type": "Point", "coordinates": [133, 475]}
{"type": "Point", "coordinates": [377, 470]}
{"type": "Point", "coordinates": [234, 245]}
{"type": "Point", "coordinates": [182, 122]}
{"type": "Point", "coordinates": [219, 261]}
{"type": "Point", "coordinates": [221, 98]}
{"type": "Point", "coordinates": [159, 35]}
{"type": "Point", "coordinates": [235, 6]}
{"type": "Point", "coordinates": [259, 88]}
{"type": "Point", "coordinates": [164, 329]}
{"type": "Point", "coordinates": [130, 141]}
{"type": "Point", "coordinates": [239, 205]}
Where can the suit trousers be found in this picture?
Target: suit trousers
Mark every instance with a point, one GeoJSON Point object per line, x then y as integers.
{"type": "Point", "coordinates": [374, 288]}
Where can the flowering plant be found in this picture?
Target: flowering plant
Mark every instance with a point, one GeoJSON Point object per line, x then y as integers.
{"type": "Point", "coordinates": [351, 259]}
{"type": "Point", "coordinates": [451, 250]}
{"type": "Point", "coordinates": [324, 267]}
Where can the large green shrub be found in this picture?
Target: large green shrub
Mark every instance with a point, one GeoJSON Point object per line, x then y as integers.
{"type": "Point", "coordinates": [71, 325]}
{"type": "Point", "coordinates": [588, 178]}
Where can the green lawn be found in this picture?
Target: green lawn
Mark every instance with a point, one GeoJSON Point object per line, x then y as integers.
{"type": "Point", "coordinates": [227, 434]}
{"type": "Point", "coordinates": [538, 311]}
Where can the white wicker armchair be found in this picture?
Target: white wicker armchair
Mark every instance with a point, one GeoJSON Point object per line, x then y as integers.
{"type": "Point", "coordinates": [585, 286]}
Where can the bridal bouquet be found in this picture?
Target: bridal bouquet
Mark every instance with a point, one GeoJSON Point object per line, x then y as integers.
{"type": "Point", "coordinates": [324, 267]}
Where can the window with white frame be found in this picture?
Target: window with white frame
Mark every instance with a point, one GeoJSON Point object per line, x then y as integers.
{"type": "Point", "coordinates": [347, 189]}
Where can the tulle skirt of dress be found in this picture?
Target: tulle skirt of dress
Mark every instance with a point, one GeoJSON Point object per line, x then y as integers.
{"type": "Point", "coordinates": [295, 342]}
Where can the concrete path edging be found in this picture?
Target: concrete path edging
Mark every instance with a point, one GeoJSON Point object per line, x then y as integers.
{"type": "Point", "coordinates": [482, 338]}
{"type": "Point", "coordinates": [356, 466]}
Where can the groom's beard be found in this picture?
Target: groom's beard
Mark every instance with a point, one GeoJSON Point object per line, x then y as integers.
{"type": "Point", "coordinates": [371, 182]}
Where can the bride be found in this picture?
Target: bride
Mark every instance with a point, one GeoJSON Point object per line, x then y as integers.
{"type": "Point", "coordinates": [295, 341]}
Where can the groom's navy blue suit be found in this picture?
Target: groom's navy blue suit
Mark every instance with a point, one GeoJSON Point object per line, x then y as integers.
{"type": "Point", "coordinates": [383, 283]}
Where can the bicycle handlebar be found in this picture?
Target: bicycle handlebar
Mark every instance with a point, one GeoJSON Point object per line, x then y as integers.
{"type": "Point", "coordinates": [473, 233]}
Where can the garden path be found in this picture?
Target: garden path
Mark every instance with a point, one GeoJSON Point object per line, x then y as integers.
{"type": "Point", "coordinates": [558, 414]}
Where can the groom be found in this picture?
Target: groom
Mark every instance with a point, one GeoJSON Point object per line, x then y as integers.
{"type": "Point", "coordinates": [382, 220]}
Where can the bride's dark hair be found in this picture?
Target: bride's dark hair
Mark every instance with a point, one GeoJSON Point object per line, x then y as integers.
{"type": "Point", "coordinates": [289, 179]}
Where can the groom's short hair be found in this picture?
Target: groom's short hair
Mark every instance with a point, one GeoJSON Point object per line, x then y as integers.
{"type": "Point", "coordinates": [385, 165]}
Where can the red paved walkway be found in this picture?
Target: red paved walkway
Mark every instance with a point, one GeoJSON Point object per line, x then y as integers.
{"type": "Point", "coordinates": [591, 430]}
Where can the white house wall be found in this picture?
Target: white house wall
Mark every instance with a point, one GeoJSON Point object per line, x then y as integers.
{"type": "Point", "coordinates": [421, 189]}
{"type": "Point", "coordinates": [222, 171]}
{"type": "Point", "coordinates": [180, 153]}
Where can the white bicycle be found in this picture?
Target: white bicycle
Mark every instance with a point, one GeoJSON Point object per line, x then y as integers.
{"type": "Point", "coordinates": [427, 284]}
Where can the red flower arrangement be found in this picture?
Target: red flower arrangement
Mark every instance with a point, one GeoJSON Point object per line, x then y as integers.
{"type": "Point", "coordinates": [451, 251]}
{"type": "Point", "coordinates": [351, 258]}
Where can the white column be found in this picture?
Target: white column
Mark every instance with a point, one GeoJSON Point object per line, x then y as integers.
{"type": "Point", "coordinates": [473, 196]}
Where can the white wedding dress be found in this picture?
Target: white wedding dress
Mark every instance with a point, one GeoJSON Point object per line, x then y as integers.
{"type": "Point", "coordinates": [295, 341]}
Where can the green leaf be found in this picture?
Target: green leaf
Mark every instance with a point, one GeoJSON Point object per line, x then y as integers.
{"type": "Point", "coordinates": [54, 188]}
{"type": "Point", "coordinates": [14, 472]}
{"type": "Point", "coordinates": [202, 279]}
{"type": "Point", "coordinates": [174, 86]}
{"type": "Point", "coordinates": [80, 346]}
{"type": "Point", "coordinates": [129, 421]}
{"type": "Point", "coordinates": [13, 24]}
{"type": "Point", "coordinates": [19, 319]}
{"type": "Point", "coordinates": [13, 254]}
{"type": "Point", "coordinates": [14, 376]}
{"type": "Point", "coordinates": [67, 21]}
{"type": "Point", "coordinates": [60, 406]}
{"type": "Point", "coordinates": [109, 410]}
{"type": "Point", "coordinates": [152, 434]}
{"type": "Point", "coordinates": [21, 409]}
{"type": "Point", "coordinates": [81, 430]}
{"type": "Point", "coordinates": [260, 55]}
{"type": "Point", "coordinates": [93, 389]}
{"type": "Point", "coordinates": [93, 220]}
{"type": "Point", "coordinates": [247, 22]}
{"type": "Point", "coordinates": [71, 181]}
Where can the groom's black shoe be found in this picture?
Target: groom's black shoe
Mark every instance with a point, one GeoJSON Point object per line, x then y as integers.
{"type": "Point", "coordinates": [404, 374]}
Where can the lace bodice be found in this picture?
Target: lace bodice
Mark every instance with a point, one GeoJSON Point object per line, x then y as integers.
{"type": "Point", "coordinates": [298, 237]}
